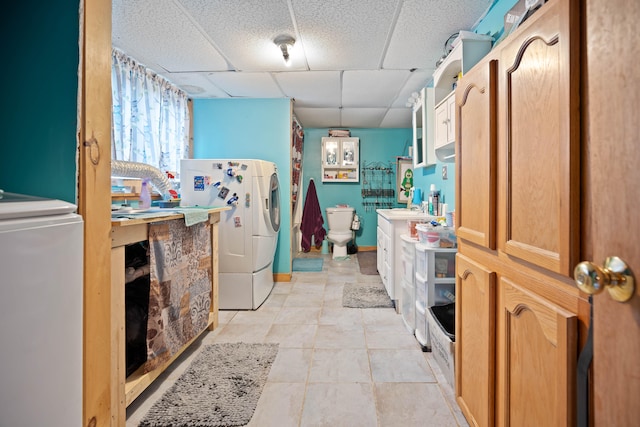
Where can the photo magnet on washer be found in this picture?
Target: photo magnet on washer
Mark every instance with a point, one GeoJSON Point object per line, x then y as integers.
{"type": "Point", "coordinates": [223, 193]}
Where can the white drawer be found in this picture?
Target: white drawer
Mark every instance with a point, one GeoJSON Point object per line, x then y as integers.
{"type": "Point", "coordinates": [384, 224]}
{"type": "Point", "coordinates": [444, 293]}
{"type": "Point", "coordinates": [421, 290]}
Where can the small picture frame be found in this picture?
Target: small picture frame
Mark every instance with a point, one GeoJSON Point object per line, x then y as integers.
{"type": "Point", "coordinates": [404, 178]}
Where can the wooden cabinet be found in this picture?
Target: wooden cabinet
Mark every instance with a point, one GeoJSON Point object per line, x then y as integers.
{"type": "Point", "coordinates": [125, 389]}
{"type": "Point", "coordinates": [477, 155]}
{"type": "Point", "coordinates": [475, 340]}
{"type": "Point", "coordinates": [340, 162]}
{"type": "Point", "coordinates": [537, 344]}
{"type": "Point", "coordinates": [518, 311]}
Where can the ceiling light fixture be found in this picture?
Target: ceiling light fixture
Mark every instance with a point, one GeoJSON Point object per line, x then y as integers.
{"type": "Point", "coordinates": [285, 43]}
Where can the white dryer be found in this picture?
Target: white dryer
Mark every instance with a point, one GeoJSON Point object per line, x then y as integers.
{"type": "Point", "coordinates": [248, 231]}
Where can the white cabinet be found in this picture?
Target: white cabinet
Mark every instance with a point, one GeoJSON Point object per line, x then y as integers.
{"type": "Point", "coordinates": [383, 255]}
{"type": "Point", "coordinates": [391, 226]}
{"type": "Point", "coordinates": [340, 159]}
{"type": "Point", "coordinates": [407, 300]}
{"type": "Point", "coordinates": [424, 154]}
{"type": "Point", "coordinates": [469, 48]}
{"type": "Point", "coordinates": [435, 284]}
{"type": "Point", "coordinates": [445, 118]}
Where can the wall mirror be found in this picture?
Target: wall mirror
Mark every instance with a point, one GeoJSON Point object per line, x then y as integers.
{"type": "Point", "coordinates": [419, 140]}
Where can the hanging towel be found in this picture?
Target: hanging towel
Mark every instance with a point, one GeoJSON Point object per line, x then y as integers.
{"type": "Point", "coordinates": [312, 220]}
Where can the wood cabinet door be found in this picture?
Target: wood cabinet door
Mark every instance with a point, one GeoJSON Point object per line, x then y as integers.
{"type": "Point", "coordinates": [537, 352]}
{"type": "Point", "coordinates": [475, 341]}
{"type": "Point", "coordinates": [476, 141]}
{"type": "Point", "coordinates": [540, 139]}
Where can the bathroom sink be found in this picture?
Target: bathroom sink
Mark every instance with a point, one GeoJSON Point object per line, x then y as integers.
{"type": "Point", "coordinates": [401, 213]}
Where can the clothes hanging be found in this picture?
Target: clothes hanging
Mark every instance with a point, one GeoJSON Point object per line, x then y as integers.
{"type": "Point", "coordinates": [312, 221]}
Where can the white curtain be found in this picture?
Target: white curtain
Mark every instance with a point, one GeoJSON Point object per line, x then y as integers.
{"type": "Point", "coordinates": [150, 116]}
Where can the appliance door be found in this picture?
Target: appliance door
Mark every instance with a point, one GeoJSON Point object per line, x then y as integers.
{"type": "Point", "coordinates": [273, 207]}
{"type": "Point", "coordinates": [41, 259]}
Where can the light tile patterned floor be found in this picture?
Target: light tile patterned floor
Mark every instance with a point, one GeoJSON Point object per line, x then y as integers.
{"type": "Point", "coordinates": [335, 366]}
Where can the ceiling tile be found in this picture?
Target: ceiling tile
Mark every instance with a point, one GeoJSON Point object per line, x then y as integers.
{"type": "Point", "coordinates": [397, 118]}
{"type": "Point", "coordinates": [196, 85]}
{"type": "Point", "coordinates": [158, 32]}
{"type": "Point", "coordinates": [374, 88]}
{"type": "Point", "coordinates": [251, 85]}
{"type": "Point", "coordinates": [317, 117]}
{"type": "Point", "coordinates": [362, 117]}
{"type": "Point", "coordinates": [244, 31]}
{"type": "Point", "coordinates": [423, 28]}
{"type": "Point", "coordinates": [312, 88]}
{"type": "Point", "coordinates": [417, 80]}
{"type": "Point", "coordinates": [344, 35]}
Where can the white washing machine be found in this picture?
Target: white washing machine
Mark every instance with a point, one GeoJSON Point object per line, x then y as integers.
{"type": "Point", "coordinates": [248, 231]}
{"type": "Point", "coordinates": [41, 294]}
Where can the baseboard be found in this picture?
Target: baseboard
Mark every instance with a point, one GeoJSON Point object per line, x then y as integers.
{"type": "Point", "coordinates": [367, 248]}
{"type": "Point", "coordinates": [281, 277]}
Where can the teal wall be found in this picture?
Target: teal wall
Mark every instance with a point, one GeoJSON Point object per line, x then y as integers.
{"type": "Point", "coordinates": [39, 76]}
{"type": "Point", "coordinates": [250, 129]}
{"type": "Point", "coordinates": [493, 22]}
{"type": "Point", "coordinates": [376, 145]}
{"type": "Point", "coordinates": [424, 177]}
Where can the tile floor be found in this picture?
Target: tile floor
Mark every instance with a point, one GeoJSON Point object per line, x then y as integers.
{"type": "Point", "coordinates": [335, 366]}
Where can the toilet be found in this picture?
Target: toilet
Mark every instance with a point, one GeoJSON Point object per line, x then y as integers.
{"type": "Point", "coordinates": [339, 219]}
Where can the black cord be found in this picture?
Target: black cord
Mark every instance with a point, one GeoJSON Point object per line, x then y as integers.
{"type": "Point", "coordinates": [450, 39]}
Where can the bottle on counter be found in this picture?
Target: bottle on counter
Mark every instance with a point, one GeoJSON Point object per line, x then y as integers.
{"type": "Point", "coordinates": [434, 200]}
{"type": "Point", "coordinates": [145, 195]}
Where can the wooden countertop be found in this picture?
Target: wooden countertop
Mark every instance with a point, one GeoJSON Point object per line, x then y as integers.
{"type": "Point", "coordinates": [164, 214]}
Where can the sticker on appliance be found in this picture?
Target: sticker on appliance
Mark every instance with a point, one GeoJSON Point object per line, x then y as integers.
{"type": "Point", "coordinates": [223, 193]}
{"type": "Point", "coordinates": [198, 183]}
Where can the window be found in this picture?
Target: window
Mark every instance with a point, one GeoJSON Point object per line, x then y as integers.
{"type": "Point", "coordinates": [150, 116]}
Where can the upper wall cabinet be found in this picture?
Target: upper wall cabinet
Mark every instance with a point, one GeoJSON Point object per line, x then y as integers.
{"type": "Point", "coordinates": [340, 161]}
{"type": "Point", "coordinates": [468, 49]}
{"type": "Point", "coordinates": [424, 154]}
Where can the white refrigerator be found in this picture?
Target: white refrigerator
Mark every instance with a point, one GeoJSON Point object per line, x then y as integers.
{"type": "Point", "coordinates": [41, 258]}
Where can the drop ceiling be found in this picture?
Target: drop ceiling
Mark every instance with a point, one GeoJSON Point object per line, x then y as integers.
{"type": "Point", "coordinates": [354, 64]}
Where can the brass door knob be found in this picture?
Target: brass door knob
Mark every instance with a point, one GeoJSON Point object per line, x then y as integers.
{"type": "Point", "coordinates": [615, 275]}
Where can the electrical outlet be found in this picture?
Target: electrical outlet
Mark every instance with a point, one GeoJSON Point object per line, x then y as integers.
{"type": "Point", "coordinates": [444, 172]}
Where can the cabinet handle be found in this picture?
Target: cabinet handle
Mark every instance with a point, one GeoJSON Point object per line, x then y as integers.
{"type": "Point", "coordinates": [615, 275]}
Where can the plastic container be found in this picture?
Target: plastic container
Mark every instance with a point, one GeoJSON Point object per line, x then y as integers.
{"type": "Point", "coordinates": [441, 325]}
{"type": "Point", "coordinates": [436, 236]}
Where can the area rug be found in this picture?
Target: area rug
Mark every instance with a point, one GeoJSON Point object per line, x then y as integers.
{"type": "Point", "coordinates": [365, 295]}
{"type": "Point", "coordinates": [221, 387]}
{"type": "Point", "coordinates": [307, 264]}
{"type": "Point", "coordinates": [368, 262]}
